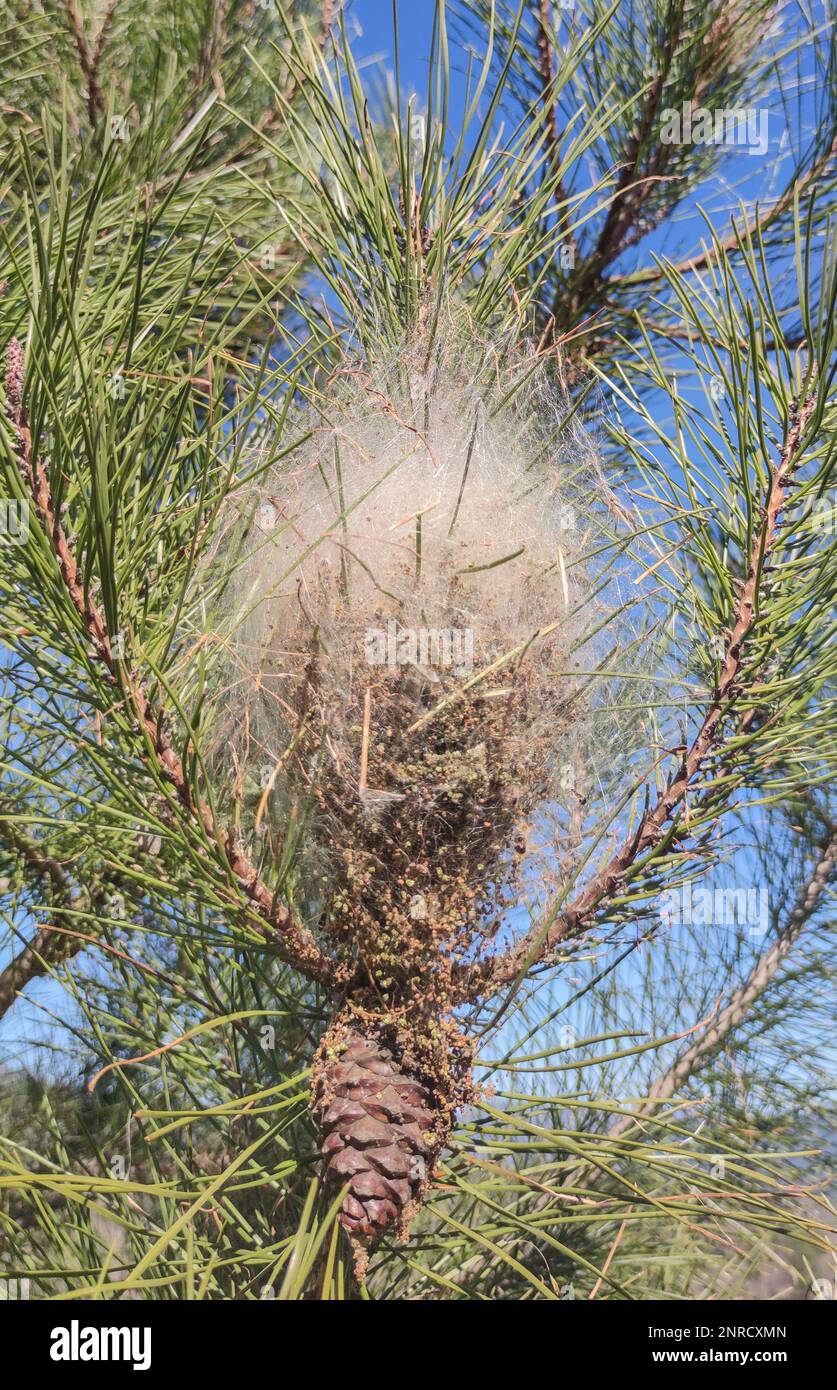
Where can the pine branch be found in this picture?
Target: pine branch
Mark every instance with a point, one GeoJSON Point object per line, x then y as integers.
{"type": "Point", "coordinates": [742, 1001]}
{"type": "Point", "coordinates": [536, 944]}
{"type": "Point", "coordinates": [41, 864]}
{"type": "Point", "coordinates": [51, 944]}
{"type": "Point", "coordinates": [713, 1036]}
{"type": "Point", "coordinates": [213, 42]}
{"type": "Point", "coordinates": [294, 942]}
{"type": "Point", "coordinates": [90, 61]}
{"type": "Point", "coordinates": [330, 13]}
{"type": "Point", "coordinates": [736, 1010]}
{"type": "Point", "coordinates": [644, 166]}
{"type": "Point", "coordinates": [735, 239]}
{"type": "Point", "coordinates": [550, 109]}
{"type": "Point", "coordinates": [632, 189]}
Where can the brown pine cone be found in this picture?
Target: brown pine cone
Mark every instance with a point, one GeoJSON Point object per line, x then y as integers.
{"type": "Point", "coordinates": [378, 1127]}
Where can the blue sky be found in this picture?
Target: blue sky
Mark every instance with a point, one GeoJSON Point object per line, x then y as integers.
{"type": "Point", "coordinates": [415, 21]}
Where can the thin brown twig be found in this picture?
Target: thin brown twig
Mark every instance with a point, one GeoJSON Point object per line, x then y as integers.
{"type": "Point", "coordinates": [135, 1061]}
{"type": "Point", "coordinates": [612, 1251]}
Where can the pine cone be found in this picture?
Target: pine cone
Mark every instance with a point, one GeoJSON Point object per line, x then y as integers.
{"type": "Point", "coordinates": [380, 1133]}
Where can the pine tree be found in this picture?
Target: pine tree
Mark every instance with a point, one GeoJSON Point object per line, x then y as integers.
{"type": "Point", "coordinates": [409, 589]}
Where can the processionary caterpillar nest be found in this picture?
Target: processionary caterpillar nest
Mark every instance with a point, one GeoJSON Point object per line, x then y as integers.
{"type": "Point", "coordinates": [403, 622]}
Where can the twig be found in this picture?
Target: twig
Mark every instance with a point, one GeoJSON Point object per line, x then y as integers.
{"type": "Point", "coordinates": [632, 189]}
{"type": "Point", "coordinates": [364, 752]}
{"type": "Point", "coordinates": [611, 1253]}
